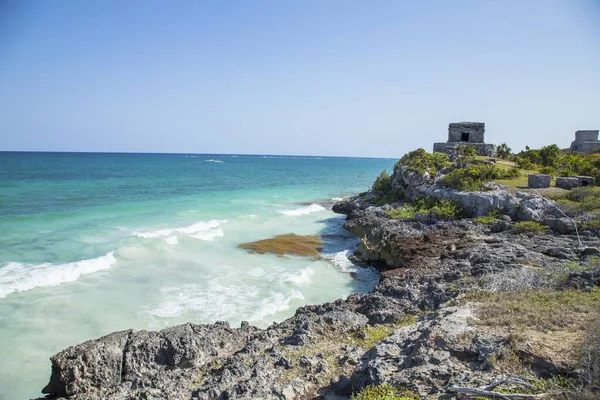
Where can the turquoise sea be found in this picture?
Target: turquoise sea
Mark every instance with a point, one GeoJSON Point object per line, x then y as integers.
{"type": "Point", "coordinates": [93, 243]}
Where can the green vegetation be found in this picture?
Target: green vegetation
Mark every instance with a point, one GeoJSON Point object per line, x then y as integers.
{"type": "Point", "coordinates": [290, 244]}
{"type": "Point", "coordinates": [408, 212]}
{"type": "Point", "coordinates": [421, 161]}
{"type": "Point", "coordinates": [385, 392]}
{"type": "Point", "coordinates": [465, 155]}
{"type": "Point", "coordinates": [550, 159]}
{"type": "Point", "coordinates": [542, 310]}
{"type": "Point", "coordinates": [473, 177]}
{"type": "Point", "coordinates": [383, 183]}
{"type": "Point", "coordinates": [442, 209]}
{"type": "Point", "coordinates": [503, 151]}
{"type": "Point", "coordinates": [488, 219]}
{"type": "Point", "coordinates": [530, 227]}
{"type": "Point", "coordinates": [370, 335]}
{"type": "Point", "coordinates": [578, 201]}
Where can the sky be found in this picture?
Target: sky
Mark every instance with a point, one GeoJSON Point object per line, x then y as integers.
{"type": "Point", "coordinates": [315, 77]}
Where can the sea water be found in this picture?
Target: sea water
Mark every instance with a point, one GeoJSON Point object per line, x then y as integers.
{"type": "Point", "coordinates": [94, 243]}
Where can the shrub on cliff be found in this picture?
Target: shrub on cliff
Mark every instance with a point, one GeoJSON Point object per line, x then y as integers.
{"type": "Point", "coordinates": [473, 177]}
{"type": "Point", "coordinates": [441, 209]}
{"type": "Point", "coordinates": [383, 183]}
{"type": "Point", "coordinates": [578, 201]}
{"type": "Point", "coordinates": [420, 161]}
{"type": "Point", "coordinates": [385, 392]}
{"type": "Point", "coordinates": [530, 227]}
{"type": "Point", "coordinates": [488, 219]}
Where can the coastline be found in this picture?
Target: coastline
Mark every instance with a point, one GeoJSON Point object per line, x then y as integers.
{"type": "Point", "coordinates": [343, 346]}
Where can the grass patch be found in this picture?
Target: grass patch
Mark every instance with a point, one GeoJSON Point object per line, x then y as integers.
{"type": "Point", "coordinates": [289, 244]}
{"type": "Point", "coordinates": [530, 227]}
{"type": "Point", "coordinates": [443, 209]}
{"type": "Point", "coordinates": [473, 177]}
{"type": "Point", "coordinates": [405, 212]}
{"type": "Point", "coordinates": [385, 392]}
{"type": "Point", "coordinates": [488, 219]}
{"type": "Point", "coordinates": [542, 310]}
{"type": "Point", "coordinates": [520, 181]}
{"type": "Point", "coordinates": [369, 335]}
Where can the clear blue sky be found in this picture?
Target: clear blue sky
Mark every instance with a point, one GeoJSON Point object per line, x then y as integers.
{"type": "Point", "coordinates": [323, 77]}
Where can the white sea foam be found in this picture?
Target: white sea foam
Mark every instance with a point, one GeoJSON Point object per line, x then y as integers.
{"type": "Point", "coordinates": [302, 210]}
{"type": "Point", "coordinates": [172, 240]}
{"type": "Point", "coordinates": [18, 277]}
{"type": "Point", "coordinates": [337, 198]}
{"type": "Point", "coordinates": [303, 277]}
{"type": "Point", "coordinates": [214, 300]}
{"type": "Point", "coordinates": [212, 160]}
{"type": "Point", "coordinates": [207, 231]}
{"type": "Point", "coordinates": [367, 275]}
{"type": "Point", "coordinates": [275, 303]}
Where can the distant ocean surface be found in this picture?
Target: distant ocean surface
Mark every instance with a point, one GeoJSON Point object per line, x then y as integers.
{"type": "Point", "coordinates": [93, 243]}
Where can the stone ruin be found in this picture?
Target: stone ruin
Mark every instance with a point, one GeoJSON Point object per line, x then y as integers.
{"type": "Point", "coordinates": [539, 181]}
{"type": "Point", "coordinates": [586, 142]}
{"type": "Point", "coordinates": [466, 134]}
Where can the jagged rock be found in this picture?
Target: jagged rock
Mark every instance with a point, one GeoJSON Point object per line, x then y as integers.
{"type": "Point", "coordinates": [500, 226]}
{"type": "Point", "coordinates": [525, 213]}
{"type": "Point", "coordinates": [88, 367]}
{"type": "Point", "coordinates": [426, 356]}
{"type": "Point", "coordinates": [560, 225]}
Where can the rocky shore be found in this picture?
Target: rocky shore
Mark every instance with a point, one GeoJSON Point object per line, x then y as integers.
{"type": "Point", "coordinates": [424, 327]}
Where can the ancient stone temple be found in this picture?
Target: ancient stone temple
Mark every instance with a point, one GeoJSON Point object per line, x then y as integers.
{"type": "Point", "coordinates": [466, 134]}
{"type": "Point", "coordinates": [586, 142]}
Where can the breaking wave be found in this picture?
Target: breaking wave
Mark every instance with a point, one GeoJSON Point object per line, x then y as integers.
{"type": "Point", "coordinates": [303, 210]}
{"type": "Point", "coordinates": [17, 277]}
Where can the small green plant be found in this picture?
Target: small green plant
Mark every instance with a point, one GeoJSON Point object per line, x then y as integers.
{"type": "Point", "coordinates": [530, 227]}
{"type": "Point", "coordinates": [383, 183]}
{"type": "Point", "coordinates": [523, 163]}
{"type": "Point", "coordinates": [465, 155]}
{"type": "Point", "coordinates": [385, 392]}
{"type": "Point", "coordinates": [592, 224]}
{"type": "Point", "coordinates": [420, 161]}
{"type": "Point", "coordinates": [405, 212]}
{"type": "Point", "coordinates": [443, 209]}
{"type": "Point", "coordinates": [488, 219]}
{"type": "Point", "coordinates": [548, 171]}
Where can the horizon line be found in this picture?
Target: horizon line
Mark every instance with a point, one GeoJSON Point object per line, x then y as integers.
{"type": "Point", "coordinates": [179, 153]}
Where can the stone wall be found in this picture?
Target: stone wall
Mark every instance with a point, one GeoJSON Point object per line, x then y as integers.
{"type": "Point", "coordinates": [586, 136]}
{"type": "Point", "coordinates": [586, 142]}
{"type": "Point", "coordinates": [539, 181]}
{"type": "Point", "coordinates": [470, 132]}
{"type": "Point", "coordinates": [482, 149]}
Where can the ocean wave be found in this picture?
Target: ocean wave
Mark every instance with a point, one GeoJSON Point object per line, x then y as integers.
{"type": "Point", "coordinates": [303, 277]}
{"type": "Point", "coordinates": [274, 304]}
{"type": "Point", "coordinates": [172, 240]}
{"type": "Point", "coordinates": [341, 260]}
{"type": "Point", "coordinates": [216, 301]}
{"type": "Point", "coordinates": [206, 231]}
{"type": "Point", "coordinates": [337, 198]}
{"type": "Point", "coordinates": [303, 210]}
{"type": "Point", "coordinates": [18, 277]}
{"type": "Point", "coordinates": [212, 160]}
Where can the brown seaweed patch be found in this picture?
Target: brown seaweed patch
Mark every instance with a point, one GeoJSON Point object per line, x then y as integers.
{"type": "Point", "coordinates": [289, 244]}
